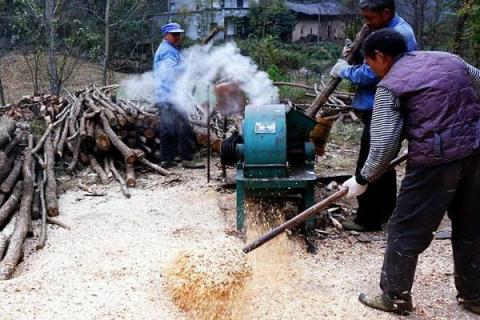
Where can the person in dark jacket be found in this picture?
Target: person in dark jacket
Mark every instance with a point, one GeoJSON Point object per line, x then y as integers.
{"type": "Point", "coordinates": [433, 98]}
{"type": "Point", "coordinates": [377, 204]}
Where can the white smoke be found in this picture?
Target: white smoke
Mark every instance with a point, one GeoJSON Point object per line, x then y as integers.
{"type": "Point", "coordinates": [203, 67]}
{"type": "Point", "coordinates": [140, 87]}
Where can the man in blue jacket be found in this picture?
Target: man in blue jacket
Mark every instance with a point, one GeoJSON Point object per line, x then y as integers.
{"type": "Point", "coordinates": [377, 204]}
{"type": "Point", "coordinates": [176, 134]}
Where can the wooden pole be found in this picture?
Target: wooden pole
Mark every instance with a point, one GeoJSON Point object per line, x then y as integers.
{"type": "Point", "coordinates": [322, 97]}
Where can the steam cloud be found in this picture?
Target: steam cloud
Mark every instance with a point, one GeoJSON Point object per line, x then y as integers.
{"type": "Point", "coordinates": [204, 66]}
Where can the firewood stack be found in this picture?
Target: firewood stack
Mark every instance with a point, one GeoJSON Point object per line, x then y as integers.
{"type": "Point", "coordinates": [16, 194]}
{"type": "Point", "coordinates": [99, 131]}
{"type": "Point", "coordinates": [87, 128]}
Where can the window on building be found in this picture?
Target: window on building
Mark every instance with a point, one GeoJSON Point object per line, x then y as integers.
{"type": "Point", "coordinates": [239, 3]}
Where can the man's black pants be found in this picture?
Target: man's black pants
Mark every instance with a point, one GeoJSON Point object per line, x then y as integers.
{"type": "Point", "coordinates": [376, 205]}
{"type": "Point", "coordinates": [425, 195]}
{"type": "Point", "coordinates": [176, 134]}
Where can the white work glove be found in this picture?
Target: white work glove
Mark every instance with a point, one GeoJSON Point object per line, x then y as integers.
{"type": "Point", "coordinates": [354, 188]}
{"type": "Point", "coordinates": [347, 49]}
{"type": "Point", "coordinates": [338, 67]}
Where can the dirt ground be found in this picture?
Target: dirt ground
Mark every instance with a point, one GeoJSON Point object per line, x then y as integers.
{"type": "Point", "coordinates": [18, 81]}
{"type": "Point", "coordinates": [110, 264]}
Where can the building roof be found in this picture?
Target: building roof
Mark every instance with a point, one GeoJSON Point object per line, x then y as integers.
{"type": "Point", "coordinates": [326, 8]}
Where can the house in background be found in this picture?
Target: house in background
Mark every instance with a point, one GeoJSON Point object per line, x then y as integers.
{"type": "Point", "coordinates": [320, 21]}
{"type": "Point", "coordinates": [220, 13]}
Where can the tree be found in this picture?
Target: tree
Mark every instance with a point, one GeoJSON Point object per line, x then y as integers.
{"type": "Point", "coordinates": [270, 18]}
{"type": "Point", "coordinates": [58, 33]}
{"type": "Point", "coordinates": [115, 15]}
{"type": "Point", "coordinates": [2, 95]}
{"type": "Point", "coordinates": [206, 18]}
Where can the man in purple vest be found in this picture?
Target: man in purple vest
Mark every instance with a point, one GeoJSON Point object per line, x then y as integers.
{"type": "Point", "coordinates": [377, 204]}
{"type": "Point", "coordinates": [432, 99]}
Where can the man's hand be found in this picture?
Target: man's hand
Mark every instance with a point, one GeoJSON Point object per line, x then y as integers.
{"type": "Point", "coordinates": [338, 68]}
{"type": "Point", "coordinates": [348, 48]}
{"type": "Point", "coordinates": [354, 188]}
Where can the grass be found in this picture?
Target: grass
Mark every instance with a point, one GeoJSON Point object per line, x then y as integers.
{"type": "Point", "coordinates": [346, 133]}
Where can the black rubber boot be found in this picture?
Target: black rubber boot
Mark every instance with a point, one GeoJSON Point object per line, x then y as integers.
{"type": "Point", "coordinates": [471, 305]}
{"type": "Point", "coordinates": [384, 303]}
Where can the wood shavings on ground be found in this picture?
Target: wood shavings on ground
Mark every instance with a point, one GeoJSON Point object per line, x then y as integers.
{"type": "Point", "coordinates": [206, 280]}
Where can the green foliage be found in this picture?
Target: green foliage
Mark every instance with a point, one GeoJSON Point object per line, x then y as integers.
{"type": "Point", "coordinates": [346, 132]}
{"type": "Point", "coordinates": [293, 94]}
{"type": "Point", "coordinates": [73, 34]}
{"type": "Point", "coordinates": [473, 29]}
{"type": "Point", "coordinates": [206, 18]}
{"type": "Point", "coordinates": [270, 51]}
{"type": "Point", "coordinates": [262, 21]}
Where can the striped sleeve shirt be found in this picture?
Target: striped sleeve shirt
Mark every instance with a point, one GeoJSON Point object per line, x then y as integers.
{"type": "Point", "coordinates": [386, 129]}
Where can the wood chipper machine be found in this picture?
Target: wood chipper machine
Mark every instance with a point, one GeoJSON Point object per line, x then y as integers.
{"type": "Point", "coordinates": [273, 156]}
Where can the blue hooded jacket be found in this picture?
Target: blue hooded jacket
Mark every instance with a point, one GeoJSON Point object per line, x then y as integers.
{"type": "Point", "coordinates": [167, 67]}
{"type": "Point", "coordinates": [365, 78]}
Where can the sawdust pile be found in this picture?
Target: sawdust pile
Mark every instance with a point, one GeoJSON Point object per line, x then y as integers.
{"type": "Point", "coordinates": [205, 281]}
{"type": "Point", "coordinates": [273, 269]}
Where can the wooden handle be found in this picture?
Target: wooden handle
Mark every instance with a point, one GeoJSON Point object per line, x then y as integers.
{"type": "Point", "coordinates": [322, 97]}
{"type": "Point", "coordinates": [296, 220]}
{"type": "Point", "coordinates": [313, 210]}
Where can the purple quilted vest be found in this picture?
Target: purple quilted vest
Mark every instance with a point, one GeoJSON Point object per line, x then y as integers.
{"type": "Point", "coordinates": [440, 109]}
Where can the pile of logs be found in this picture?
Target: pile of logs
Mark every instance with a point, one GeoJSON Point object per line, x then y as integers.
{"type": "Point", "coordinates": [89, 128]}
{"type": "Point", "coordinates": [338, 101]}
{"type": "Point", "coordinates": [96, 130]}
{"type": "Point", "coordinates": [17, 182]}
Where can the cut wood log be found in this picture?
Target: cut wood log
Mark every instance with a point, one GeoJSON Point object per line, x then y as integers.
{"type": "Point", "coordinates": [120, 180]}
{"type": "Point", "coordinates": [76, 152]}
{"type": "Point", "coordinates": [40, 142]}
{"type": "Point", "coordinates": [51, 186]}
{"type": "Point", "coordinates": [146, 148]}
{"type": "Point", "coordinates": [131, 142]}
{"type": "Point", "coordinates": [128, 154]}
{"type": "Point", "coordinates": [131, 181]}
{"type": "Point", "coordinates": [57, 222]}
{"type": "Point", "coordinates": [12, 144]}
{"type": "Point", "coordinates": [7, 127]}
{"type": "Point", "coordinates": [57, 135]}
{"type": "Point", "coordinates": [15, 250]}
{"type": "Point", "coordinates": [149, 133]}
{"type": "Point", "coordinates": [9, 182]}
{"type": "Point", "coordinates": [11, 204]}
{"type": "Point", "coordinates": [43, 206]}
{"type": "Point", "coordinates": [101, 139]}
{"type": "Point", "coordinates": [98, 169]}
{"type": "Point", "coordinates": [6, 169]}
{"type": "Point", "coordinates": [36, 205]}
{"type": "Point", "coordinates": [157, 168]}
{"type": "Point", "coordinates": [63, 138]}
{"type": "Point", "coordinates": [106, 167]}
{"type": "Point", "coordinates": [6, 234]}
{"type": "Point", "coordinates": [83, 128]}
{"type": "Point", "coordinates": [112, 120]}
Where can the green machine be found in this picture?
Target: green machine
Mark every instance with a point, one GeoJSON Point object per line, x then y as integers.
{"type": "Point", "coordinates": [274, 157]}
